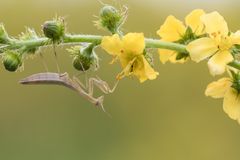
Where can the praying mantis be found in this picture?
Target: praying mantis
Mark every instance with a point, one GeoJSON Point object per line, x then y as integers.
{"type": "Point", "coordinates": [63, 79]}
{"type": "Point", "coordinates": [74, 83]}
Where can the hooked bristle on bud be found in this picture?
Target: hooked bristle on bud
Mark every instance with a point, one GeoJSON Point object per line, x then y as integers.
{"type": "Point", "coordinates": [30, 34]}
{"type": "Point", "coordinates": [4, 39]}
{"type": "Point", "coordinates": [12, 60]}
{"type": "Point", "coordinates": [111, 18]}
{"type": "Point", "coordinates": [83, 57]}
{"type": "Point", "coordinates": [54, 29]}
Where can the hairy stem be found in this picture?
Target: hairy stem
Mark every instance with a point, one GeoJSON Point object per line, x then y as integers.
{"type": "Point", "coordinates": [154, 43]}
{"type": "Point", "coordinates": [68, 39]}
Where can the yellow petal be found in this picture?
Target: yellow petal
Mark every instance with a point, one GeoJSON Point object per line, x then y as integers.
{"type": "Point", "coordinates": [218, 88]}
{"type": "Point", "coordinates": [126, 57]}
{"type": "Point", "coordinates": [235, 37]}
{"type": "Point", "coordinates": [112, 44]}
{"type": "Point", "coordinates": [143, 70]}
{"type": "Point", "coordinates": [172, 29]}
{"type": "Point", "coordinates": [215, 24]}
{"type": "Point", "coordinates": [165, 55]}
{"type": "Point", "coordinates": [201, 49]}
{"type": "Point", "coordinates": [134, 43]}
{"type": "Point", "coordinates": [231, 104]}
{"type": "Point", "coordinates": [194, 22]}
{"type": "Point", "coordinates": [217, 63]}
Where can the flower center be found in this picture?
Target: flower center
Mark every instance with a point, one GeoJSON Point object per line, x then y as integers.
{"type": "Point", "coordinates": [225, 43]}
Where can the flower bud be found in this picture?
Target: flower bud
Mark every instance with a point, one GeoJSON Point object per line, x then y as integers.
{"type": "Point", "coordinates": [12, 60]}
{"type": "Point", "coordinates": [83, 57]}
{"type": "Point", "coordinates": [81, 63]}
{"type": "Point", "coordinates": [108, 12]}
{"type": "Point", "coordinates": [110, 18]}
{"type": "Point", "coordinates": [54, 29]}
{"type": "Point", "coordinates": [4, 39]}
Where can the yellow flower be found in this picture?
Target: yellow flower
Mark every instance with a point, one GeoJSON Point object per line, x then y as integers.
{"type": "Point", "coordinates": [174, 30]}
{"type": "Point", "coordinates": [217, 46]}
{"type": "Point", "coordinates": [228, 89]}
{"type": "Point", "coordinates": [129, 50]}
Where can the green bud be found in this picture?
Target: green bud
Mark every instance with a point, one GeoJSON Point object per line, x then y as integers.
{"type": "Point", "coordinates": [108, 12]}
{"type": "Point", "coordinates": [81, 63]}
{"type": "Point", "coordinates": [4, 39]}
{"type": "Point", "coordinates": [111, 18]}
{"type": "Point", "coordinates": [54, 29]}
{"type": "Point", "coordinates": [83, 57]}
{"type": "Point", "coordinates": [12, 60]}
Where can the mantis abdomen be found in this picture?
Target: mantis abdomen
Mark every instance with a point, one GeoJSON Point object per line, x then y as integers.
{"type": "Point", "coordinates": [50, 78]}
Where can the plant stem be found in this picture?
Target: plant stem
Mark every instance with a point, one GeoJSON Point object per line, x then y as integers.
{"type": "Point", "coordinates": [68, 39]}
{"type": "Point", "coordinates": [154, 43]}
{"type": "Point", "coordinates": [83, 38]}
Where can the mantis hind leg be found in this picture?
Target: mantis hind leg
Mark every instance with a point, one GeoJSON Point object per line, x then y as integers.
{"type": "Point", "coordinates": [43, 61]}
{"type": "Point", "coordinates": [85, 86]}
{"type": "Point", "coordinates": [56, 57]}
{"type": "Point", "coordinates": [85, 75]}
{"type": "Point", "coordinates": [75, 79]}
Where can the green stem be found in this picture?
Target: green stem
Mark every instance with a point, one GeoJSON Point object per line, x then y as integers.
{"type": "Point", "coordinates": [153, 43]}
{"type": "Point", "coordinates": [68, 39]}
{"type": "Point", "coordinates": [82, 38]}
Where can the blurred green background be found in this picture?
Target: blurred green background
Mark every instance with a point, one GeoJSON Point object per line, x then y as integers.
{"type": "Point", "coordinates": [169, 118]}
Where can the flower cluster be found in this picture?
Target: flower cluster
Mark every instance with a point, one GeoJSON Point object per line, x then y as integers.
{"type": "Point", "coordinates": [219, 47]}
{"type": "Point", "coordinates": [207, 37]}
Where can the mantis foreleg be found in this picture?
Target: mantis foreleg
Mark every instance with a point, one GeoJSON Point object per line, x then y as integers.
{"type": "Point", "coordinates": [102, 85]}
